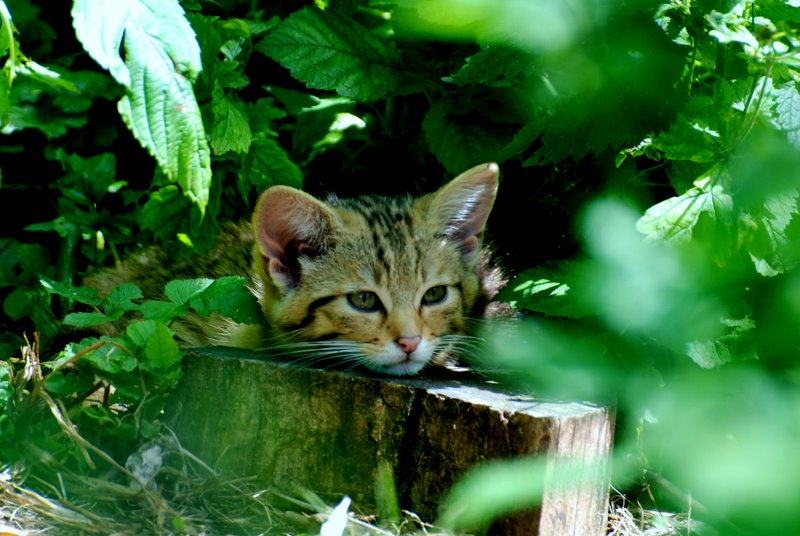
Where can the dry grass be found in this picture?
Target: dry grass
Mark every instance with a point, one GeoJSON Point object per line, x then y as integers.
{"type": "Point", "coordinates": [628, 519]}
{"type": "Point", "coordinates": [189, 498]}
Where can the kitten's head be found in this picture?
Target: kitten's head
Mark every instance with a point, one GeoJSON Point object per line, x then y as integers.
{"type": "Point", "coordinates": [378, 282]}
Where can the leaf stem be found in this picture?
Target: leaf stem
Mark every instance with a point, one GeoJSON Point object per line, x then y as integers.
{"type": "Point", "coordinates": [8, 28]}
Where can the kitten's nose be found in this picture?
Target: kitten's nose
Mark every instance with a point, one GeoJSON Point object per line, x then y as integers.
{"type": "Point", "coordinates": [408, 344]}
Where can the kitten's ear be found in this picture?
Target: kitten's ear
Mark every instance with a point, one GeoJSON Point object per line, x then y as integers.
{"type": "Point", "coordinates": [462, 207]}
{"type": "Point", "coordinates": [289, 224]}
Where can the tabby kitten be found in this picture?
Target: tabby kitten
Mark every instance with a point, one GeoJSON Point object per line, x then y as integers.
{"type": "Point", "coordinates": [390, 284]}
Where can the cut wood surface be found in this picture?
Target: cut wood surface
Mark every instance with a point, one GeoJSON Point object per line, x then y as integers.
{"type": "Point", "coordinates": [331, 432]}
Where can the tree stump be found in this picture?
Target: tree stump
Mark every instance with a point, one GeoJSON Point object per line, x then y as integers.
{"type": "Point", "coordinates": [331, 432]}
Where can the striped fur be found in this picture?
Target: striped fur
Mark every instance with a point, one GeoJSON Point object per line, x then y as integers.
{"type": "Point", "coordinates": [312, 263]}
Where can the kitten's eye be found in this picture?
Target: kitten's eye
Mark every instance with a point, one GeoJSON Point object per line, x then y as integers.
{"type": "Point", "coordinates": [365, 301]}
{"type": "Point", "coordinates": [434, 295]}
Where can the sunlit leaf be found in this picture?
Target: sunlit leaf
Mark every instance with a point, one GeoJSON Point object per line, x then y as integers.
{"type": "Point", "coordinates": [182, 291]}
{"type": "Point", "coordinates": [690, 141]}
{"type": "Point", "coordinates": [87, 295]}
{"type": "Point", "coordinates": [328, 51]}
{"type": "Point", "coordinates": [161, 58]}
{"type": "Point", "coordinates": [231, 131]}
{"type": "Point", "coordinates": [734, 346]}
{"type": "Point", "coordinates": [229, 297]}
{"type": "Point", "coordinates": [674, 219]}
{"type": "Point", "coordinates": [552, 292]}
{"type": "Point", "coordinates": [774, 244]}
{"type": "Point", "coordinates": [787, 110]}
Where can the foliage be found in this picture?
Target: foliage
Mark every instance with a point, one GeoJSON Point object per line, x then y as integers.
{"type": "Point", "coordinates": [672, 127]}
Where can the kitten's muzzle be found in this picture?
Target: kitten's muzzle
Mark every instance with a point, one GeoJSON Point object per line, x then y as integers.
{"type": "Point", "coordinates": [408, 344]}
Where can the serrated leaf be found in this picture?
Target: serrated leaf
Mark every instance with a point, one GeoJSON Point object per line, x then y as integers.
{"type": "Point", "coordinates": [787, 110]}
{"type": "Point", "coordinates": [268, 164]}
{"type": "Point", "coordinates": [731, 28]}
{"type": "Point", "coordinates": [328, 51]}
{"type": "Point", "coordinates": [493, 65]}
{"type": "Point", "coordinates": [460, 141]}
{"type": "Point", "coordinates": [162, 311]}
{"type": "Point", "coordinates": [161, 59]}
{"type": "Point", "coordinates": [64, 383]}
{"type": "Point", "coordinates": [86, 295]}
{"type": "Point", "coordinates": [780, 10]}
{"type": "Point", "coordinates": [261, 114]}
{"type": "Point", "coordinates": [85, 320]}
{"type": "Point", "coordinates": [158, 343]}
{"type": "Point", "coordinates": [689, 141]}
{"type": "Point", "coordinates": [107, 358]}
{"type": "Point", "coordinates": [119, 299]}
{"type": "Point", "coordinates": [674, 219]}
{"type": "Point", "coordinates": [773, 244]}
{"type": "Point", "coordinates": [229, 297]}
{"type": "Point", "coordinates": [734, 346]}
{"type": "Point", "coordinates": [182, 291]}
{"type": "Point", "coordinates": [551, 292]}
{"type": "Point", "coordinates": [231, 131]}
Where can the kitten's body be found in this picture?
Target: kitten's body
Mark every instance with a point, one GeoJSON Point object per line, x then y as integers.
{"type": "Point", "coordinates": [386, 283]}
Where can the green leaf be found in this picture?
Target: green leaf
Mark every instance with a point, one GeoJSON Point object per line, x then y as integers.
{"type": "Point", "coordinates": [106, 358]}
{"type": "Point", "coordinates": [551, 292]}
{"type": "Point", "coordinates": [231, 131]}
{"type": "Point", "coordinates": [85, 320]}
{"type": "Point", "coordinates": [161, 59]}
{"type": "Point", "coordinates": [162, 311]}
{"type": "Point", "coordinates": [674, 219]}
{"type": "Point", "coordinates": [66, 382]}
{"type": "Point", "coordinates": [731, 28]}
{"type": "Point", "coordinates": [86, 295]}
{"type": "Point", "coordinates": [158, 343]}
{"type": "Point", "coordinates": [462, 135]}
{"type": "Point", "coordinates": [773, 243]}
{"type": "Point", "coordinates": [690, 141]}
{"type": "Point", "coordinates": [19, 303]}
{"type": "Point", "coordinates": [492, 489]}
{"type": "Point", "coordinates": [495, 65]}
{"type": "Point", "coordinates": [6, 390]}
{"type": "Point", "coordinates": [22, 264]}
{"type": "Point", "coordinates": [787, 110]}
{"type": "Point", "coordinates": [229, 297]}
{"type": "Point", "coordinates": [734, 346]}
{"type": "Point", "coordinates": [261, 114]}
{"type": "Point", "coordinates": [8, 46]}
{"type": "Point", "coordinates": [119, 299]}
{"type": "Point", "coordinates": [328, 51]}
{"type": "Point", "coordinates": [268, 164]}
{"type": "Point", "coordinates": [182, 291]}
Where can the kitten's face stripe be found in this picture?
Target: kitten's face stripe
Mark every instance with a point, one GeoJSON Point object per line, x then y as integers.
{"type": "Point", "coordinates": [310, 314]}
{"type": "Point", "coordinates": [398, 249]}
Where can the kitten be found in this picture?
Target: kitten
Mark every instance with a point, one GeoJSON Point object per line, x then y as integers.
{"type": "Point", "coordinates": [390, 284]}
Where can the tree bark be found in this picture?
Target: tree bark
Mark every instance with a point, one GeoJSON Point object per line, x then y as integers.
{"type": "Point", "coordinates": [331, 432]}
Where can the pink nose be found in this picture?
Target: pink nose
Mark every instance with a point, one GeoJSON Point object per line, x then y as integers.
{"type": "Point", "coordinates": [408, 344]}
